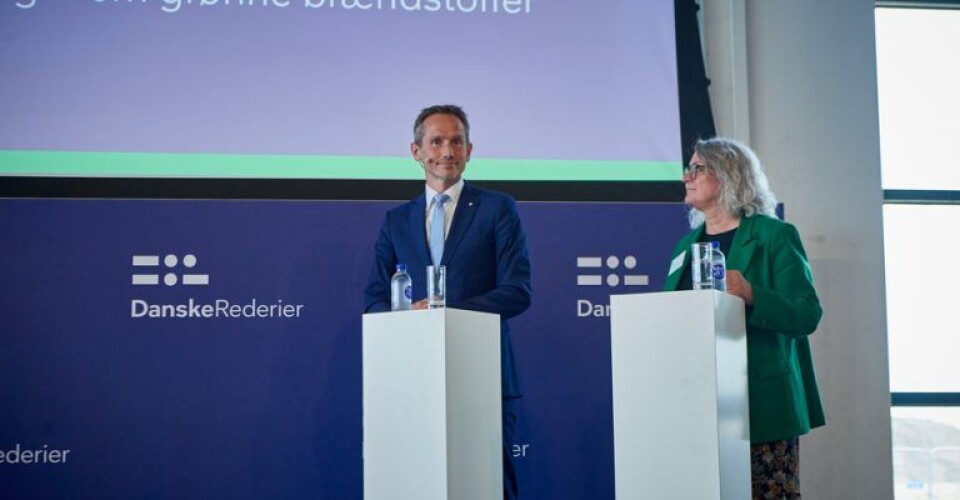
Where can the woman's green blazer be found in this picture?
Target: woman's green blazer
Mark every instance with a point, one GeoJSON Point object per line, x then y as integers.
{"type": "Point", "coordinates": [784, 398]}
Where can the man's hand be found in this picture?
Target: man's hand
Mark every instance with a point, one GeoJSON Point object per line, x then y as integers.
{"type": "Point", "coordinates": [418, 305]}
{"type": "Point", "coordinates": [739, 286]}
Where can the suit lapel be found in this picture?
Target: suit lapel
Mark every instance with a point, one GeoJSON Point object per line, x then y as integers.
{"type": "Point", "coordinates": [744, 243]}
{"type": "Point", "coordinates": [417, 221]}
{"type": "Point", "coordinates": [466, 209]}
{"type": "Point", "coordinates": [673, 279]}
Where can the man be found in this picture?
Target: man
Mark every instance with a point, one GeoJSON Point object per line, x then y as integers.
{"type": "Point", "coordinates": [475, 233]}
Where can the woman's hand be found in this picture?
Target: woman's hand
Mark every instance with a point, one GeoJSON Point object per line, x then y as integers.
{"type": "Point", "coordinates": [739, 286]}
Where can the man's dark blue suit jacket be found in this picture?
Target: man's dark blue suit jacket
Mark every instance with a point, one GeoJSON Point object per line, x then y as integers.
{"type": "Point", "coordinates": [488, 267]}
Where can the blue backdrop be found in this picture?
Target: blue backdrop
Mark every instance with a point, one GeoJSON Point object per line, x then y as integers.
{"type": "Point", "coordinates": [206, 402]}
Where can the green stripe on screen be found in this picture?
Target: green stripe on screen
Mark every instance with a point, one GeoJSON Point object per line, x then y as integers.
{"type": "Point", "coordinates": [182, 165]}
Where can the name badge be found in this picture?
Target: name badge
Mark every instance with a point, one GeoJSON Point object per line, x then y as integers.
{"type": "Point", "coordinates": [677, 262]}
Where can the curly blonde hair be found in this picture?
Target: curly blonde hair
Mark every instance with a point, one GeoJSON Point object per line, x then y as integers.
{"type": "Point", "coordinates": [744, 189]}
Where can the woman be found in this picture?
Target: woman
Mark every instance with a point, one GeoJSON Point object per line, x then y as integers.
{"type": "Point", "coordinates": [731, 202]}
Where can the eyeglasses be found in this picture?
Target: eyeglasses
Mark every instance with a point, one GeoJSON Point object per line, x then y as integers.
{"type": "Point", "coordinates": [694, 170]}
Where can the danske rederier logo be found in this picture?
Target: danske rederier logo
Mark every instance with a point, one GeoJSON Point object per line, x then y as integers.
{"type": "Point", "coordinates": [170, 278]}
{"type": "Point", "coordinates": [176, 271]}
{"type": "Point", "coordinates": [595, 271]}
{"type": "Point", "coordinates": [595, 264]}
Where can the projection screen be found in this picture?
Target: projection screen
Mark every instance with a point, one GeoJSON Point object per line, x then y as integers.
{"type": "Point", "coordinates": [327, 89]}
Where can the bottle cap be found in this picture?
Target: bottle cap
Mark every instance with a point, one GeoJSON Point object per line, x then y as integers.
{"type": "Point", "coordinates": [402, 268]}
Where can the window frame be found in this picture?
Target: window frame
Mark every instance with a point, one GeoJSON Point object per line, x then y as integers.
{"type": "Point", "coordinates": [921, 197]}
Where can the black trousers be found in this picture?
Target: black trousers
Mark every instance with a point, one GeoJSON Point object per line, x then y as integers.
{"type": "Point", "coordinates": [511, 489]}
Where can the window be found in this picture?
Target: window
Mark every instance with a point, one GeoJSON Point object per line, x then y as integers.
{"type": "Point", "coordinates": [917, 75]}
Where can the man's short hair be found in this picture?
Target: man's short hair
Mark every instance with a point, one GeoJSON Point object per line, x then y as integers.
{"type": "Point", "coordinates": [440, 109]}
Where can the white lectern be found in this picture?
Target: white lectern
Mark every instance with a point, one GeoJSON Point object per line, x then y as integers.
{"type": "Point", "coordinates": [680, 408]}
{"type": "Point", "coordinates": [431, 405]}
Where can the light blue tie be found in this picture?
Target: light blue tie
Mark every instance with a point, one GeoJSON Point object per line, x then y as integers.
{"type": "Point", "coordinates": [436, 228]}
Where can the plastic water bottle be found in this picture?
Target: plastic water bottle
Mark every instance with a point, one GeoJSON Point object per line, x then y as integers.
{"type": "Point", "coordinates": [719, 267]}
{"type": "Point", "coordinates": [401, 289]}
